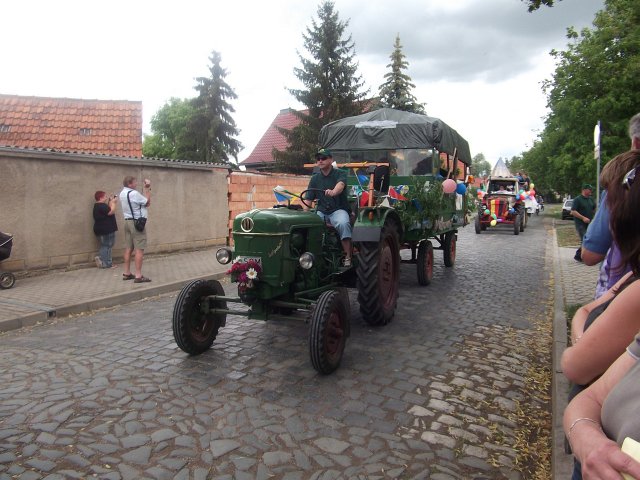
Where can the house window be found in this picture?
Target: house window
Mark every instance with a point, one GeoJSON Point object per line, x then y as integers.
{"type": "Point", "coordinates": [5, 128]}
{"type": "Point", "coordinates": [85, 131]}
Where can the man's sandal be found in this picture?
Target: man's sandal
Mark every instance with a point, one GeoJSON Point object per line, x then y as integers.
{"type": "Point", "coordinates": [142, 280]}
{"type": "Point", "coordinates": [128, 276]}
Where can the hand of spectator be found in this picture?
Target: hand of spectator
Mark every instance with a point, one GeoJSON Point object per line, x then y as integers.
{"type": "Point", "coordinates": [606, 460]}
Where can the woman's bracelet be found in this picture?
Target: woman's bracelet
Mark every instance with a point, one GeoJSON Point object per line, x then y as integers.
{"type": "Point", "coordinates": [581, 419]}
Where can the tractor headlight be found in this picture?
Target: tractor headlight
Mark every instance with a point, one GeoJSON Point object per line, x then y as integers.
{"type": "Point", "coordinates": [306, 260]}
{"type": "Point", "coordinates": [224, 255]}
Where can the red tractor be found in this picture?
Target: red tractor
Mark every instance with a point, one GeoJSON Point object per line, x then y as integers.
{"type": "Point", "coordinates": [501, 204]}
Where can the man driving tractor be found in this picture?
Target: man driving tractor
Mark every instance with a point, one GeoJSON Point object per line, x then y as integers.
{"type": "Point", "coordinates": [327, 188]}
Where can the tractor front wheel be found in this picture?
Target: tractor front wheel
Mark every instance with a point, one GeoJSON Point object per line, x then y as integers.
{"type": "Point", "coordinates": [194, 326]}
{"type": "Point", "coordinates": [478, 225]}
{"type": "Point", "coordinates": [517, 224]}
{"type": "Point", "coordinates": [378, 274]}
{"type": "Point", "coordinates": [328, 331]}
{"type": "Point", "coordinates": [425, 262]}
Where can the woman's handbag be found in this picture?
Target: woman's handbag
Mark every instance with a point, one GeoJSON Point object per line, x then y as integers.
{"type": "Point", "coordinates": [140, 222]}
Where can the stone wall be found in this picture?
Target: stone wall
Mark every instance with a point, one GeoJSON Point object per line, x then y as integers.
{"type": "Point", "coordinates": [46, 202]}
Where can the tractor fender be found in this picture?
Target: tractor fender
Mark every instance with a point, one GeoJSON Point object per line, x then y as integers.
{"type": "Point", "coordinates": [367, 227]}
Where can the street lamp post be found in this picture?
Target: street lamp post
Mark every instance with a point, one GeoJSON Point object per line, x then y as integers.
{"type": "Point", "coordinates": [596, 155]}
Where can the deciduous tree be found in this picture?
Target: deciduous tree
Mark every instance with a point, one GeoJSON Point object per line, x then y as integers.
{"type": "Point", "coordinates": [596, 78]}
{"type": "Point", "coordinates": [536, 4]}
{"type": "Point", "coordinates": [171, 137]}
{"type": "Point", "coordinates": [480, 166]}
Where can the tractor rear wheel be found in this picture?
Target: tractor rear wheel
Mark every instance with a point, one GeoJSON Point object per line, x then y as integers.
{"type": "Point", "coordinates": [194, 327]}
{"type": "Point", "coordinates": [328, 331]}
{"type": "Point", "coordinates": [449, 247]}
{"type": "Point", "coordinates": [425, 262]}
{"type": "Point", "coordinates": [378, 274]}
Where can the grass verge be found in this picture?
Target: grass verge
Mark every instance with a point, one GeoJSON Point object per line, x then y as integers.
{"type": "Point", "coordinates": [567, 235]}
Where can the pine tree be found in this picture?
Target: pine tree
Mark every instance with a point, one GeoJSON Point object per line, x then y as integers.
{"type": "Point", "coordinates": [331, 87]}
{"type": "Point", "coordinates": [213, 125]}
{"type": "Point", "coordinates": [395, 92]}
{"type": "Point", "coordinates": [171, 137]}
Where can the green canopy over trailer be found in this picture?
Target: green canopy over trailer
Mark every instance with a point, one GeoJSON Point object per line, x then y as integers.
{"type": "Point", "coordinates": [389, 129]}
{"type": "Point", "coordinates": [408, 159]}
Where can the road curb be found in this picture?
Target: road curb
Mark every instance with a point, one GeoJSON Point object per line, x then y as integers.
{"type": "Point", "coordinates": [561, 462]}
{"type": "Point", "coordinates": [106, 301]}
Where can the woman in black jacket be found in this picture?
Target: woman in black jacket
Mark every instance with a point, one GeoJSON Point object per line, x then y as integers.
{"type": "Point", "coordinates": [105, 227]}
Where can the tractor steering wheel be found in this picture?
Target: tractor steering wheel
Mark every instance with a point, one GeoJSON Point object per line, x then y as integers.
{"type": "Point", "coordinates": [304, 200]}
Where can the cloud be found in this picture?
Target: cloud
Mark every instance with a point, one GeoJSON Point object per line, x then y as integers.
{"type": "Point", "coordinates": [477, 64]}
{"type": "Point", "coordinates": [462, 41]}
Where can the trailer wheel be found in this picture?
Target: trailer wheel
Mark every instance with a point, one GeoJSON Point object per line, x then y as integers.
{"type": "Point", "coordinates": [378, 273]}
{"type": "Point", "coordinates": [328, 331]}
{"type": "Point", "coordinates": [194, 328]}
{"type": "Point", "coordinates": [450, 241]}
{"type": "Point", "coordinates": [478, 225]}
{"type": "Point", "coordinates": [517, 224]}
{"type": "Point", "coordinates": [7, 280]}
{"type": "Point", "coordinates": [425, 262]}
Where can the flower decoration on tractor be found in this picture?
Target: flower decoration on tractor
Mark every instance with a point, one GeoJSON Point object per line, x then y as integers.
{"type": "Point", "coordinates": [245, 273]}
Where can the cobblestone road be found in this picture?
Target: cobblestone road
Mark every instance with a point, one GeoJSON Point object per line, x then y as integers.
{"type": "Point", "coordinates": [432, 395]}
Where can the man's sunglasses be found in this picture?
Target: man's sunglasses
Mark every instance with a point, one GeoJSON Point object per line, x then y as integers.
{"type": "Point", "coordinates": [321, 158]}
{"type": "Point", "coordinates": [630, 177]}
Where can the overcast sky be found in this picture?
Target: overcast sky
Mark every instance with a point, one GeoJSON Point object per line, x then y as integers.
{"type": "Point", "coordinates": [477, 64]}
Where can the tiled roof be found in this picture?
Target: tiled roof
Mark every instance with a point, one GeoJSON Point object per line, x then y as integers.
{"type": "Point", "coordinates": [111, 127]}
{"type": "Point", "coordinates": [261, 154]}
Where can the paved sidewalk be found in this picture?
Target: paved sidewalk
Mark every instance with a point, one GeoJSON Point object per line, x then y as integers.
{"type": "Point", "coordinates": [574, 285]}
{"type": "Point", "coordinates": [60, 293]}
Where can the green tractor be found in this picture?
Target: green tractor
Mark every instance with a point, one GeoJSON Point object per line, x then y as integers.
{"type": "Point", "coordinates": [286, 260]}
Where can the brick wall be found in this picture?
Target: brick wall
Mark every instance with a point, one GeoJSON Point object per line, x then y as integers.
{"type": "Point", "coordinates": [255, 190]}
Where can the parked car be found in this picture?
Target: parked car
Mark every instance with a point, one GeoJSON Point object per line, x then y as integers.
{"type": "Point", "coordinates": [566, 209]}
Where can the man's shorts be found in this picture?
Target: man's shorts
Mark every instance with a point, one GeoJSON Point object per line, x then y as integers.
{"type": "Point", "coordinates": [133, 238]}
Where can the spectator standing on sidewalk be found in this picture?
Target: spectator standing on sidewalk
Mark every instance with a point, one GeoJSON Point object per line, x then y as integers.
{"type": "Point", "coordinates": [582, 211]}
{"type": "Point", "coordinates": [601, 330]}
{"type": "Point", "coordinates": [105, 227]}
{"type": "Point", "coordinates": [135, 241]}
{"type": "Point", "coordinates": [598, 245]}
